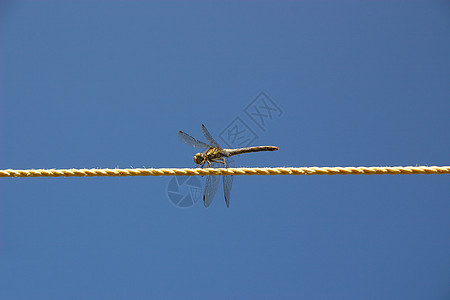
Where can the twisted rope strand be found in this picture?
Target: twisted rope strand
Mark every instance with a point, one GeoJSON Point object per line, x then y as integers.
{"type": "Point", "coordinates": [231, 171]}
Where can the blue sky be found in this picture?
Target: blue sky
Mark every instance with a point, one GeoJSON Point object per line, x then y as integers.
{"type": "Point", "coordinates": [105, 84]}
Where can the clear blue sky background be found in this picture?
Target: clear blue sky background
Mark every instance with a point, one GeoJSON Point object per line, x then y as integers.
{"type": "Point", "coordinates": [103, 84]}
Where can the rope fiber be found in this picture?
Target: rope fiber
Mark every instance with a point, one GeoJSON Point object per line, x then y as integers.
{"type": "Point", "coordinates": [230, 171]}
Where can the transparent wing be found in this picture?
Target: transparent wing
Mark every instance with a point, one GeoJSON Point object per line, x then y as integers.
{"type": "Point", "coordinates": [209, 138]}
{"type": "Point", "coordinates": [228, 182]}
{"type": "Point", "coordinates": [212, 183]}
{"type": "Point", "coordinates": [191, 141]}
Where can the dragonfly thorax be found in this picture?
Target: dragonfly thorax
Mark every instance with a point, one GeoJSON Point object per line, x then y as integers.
{"type": "Point", "coordinates": [208, 156]}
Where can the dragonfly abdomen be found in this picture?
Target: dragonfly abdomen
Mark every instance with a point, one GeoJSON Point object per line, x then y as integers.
{"type": "Point", "coordinates": [232, 152]}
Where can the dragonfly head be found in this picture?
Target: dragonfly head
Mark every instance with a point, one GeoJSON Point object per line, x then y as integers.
{"type": "Point", "coordinates": [199, 158]}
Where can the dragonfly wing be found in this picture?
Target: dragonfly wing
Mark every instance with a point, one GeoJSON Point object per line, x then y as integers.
{"type": "Point", "coordinates": [212, 183]}
{"type": "Point", "coordinates": [228, 182]}
{"type": "Point", "coordinates": [191, 141]}
{"type": "Point", "coordinates": [209, 138]}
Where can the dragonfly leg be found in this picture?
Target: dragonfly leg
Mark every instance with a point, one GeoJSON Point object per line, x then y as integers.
{"type": "Point", "coordinates": [221, 161]}
{"type": "Point", "coordinates": [200, 164]}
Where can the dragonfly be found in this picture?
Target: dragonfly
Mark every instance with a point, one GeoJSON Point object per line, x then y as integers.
{"type": "Point", "coordinates": [215, 156]}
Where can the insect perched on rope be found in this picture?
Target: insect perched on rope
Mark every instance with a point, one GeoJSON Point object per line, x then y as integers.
{"type": "Point", "coordinates": [215, 156]}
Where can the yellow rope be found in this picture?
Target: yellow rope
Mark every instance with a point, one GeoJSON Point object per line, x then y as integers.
{"type": "Point", "coordinates": [230, 171]}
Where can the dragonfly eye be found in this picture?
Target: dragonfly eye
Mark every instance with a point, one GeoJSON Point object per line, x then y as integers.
{"type": "Point", "coordinates": [198, 158]}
